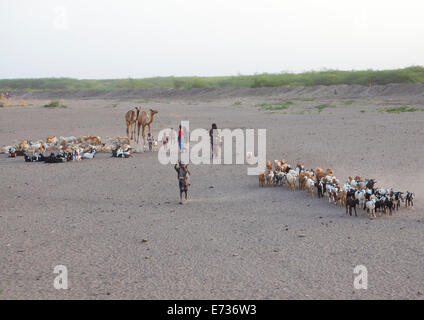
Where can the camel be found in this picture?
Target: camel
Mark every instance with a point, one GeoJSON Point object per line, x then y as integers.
{"type": "Point", "coordinates": [131, 119]}
{"type": "Point", "coordinates": [143, 120]}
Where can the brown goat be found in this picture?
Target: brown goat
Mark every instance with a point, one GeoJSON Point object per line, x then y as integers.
{"type": "Point", "coordinates": [321, 173]}
{"type": "Point", "coordinates": [261, 179]}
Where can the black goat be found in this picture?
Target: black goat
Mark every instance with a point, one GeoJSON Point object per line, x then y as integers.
{"type": "Point", "coordinates": [34, 158]}
{"type": "Point", "coordinates": [351, 202]}
{"type": "Point", "coordinates": [52, 158]}
{"type": "Point", "coordinates": [388, 204]}
{"type": "Point", "coordinates": [319, 185]}
{"type": "Point", "coordinates": [370, 183]}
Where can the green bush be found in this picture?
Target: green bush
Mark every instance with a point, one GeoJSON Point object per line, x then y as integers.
{"type": "Point", "coordinates": [402, 109]}
{"type": "Point", "coordinates": [54, 104]}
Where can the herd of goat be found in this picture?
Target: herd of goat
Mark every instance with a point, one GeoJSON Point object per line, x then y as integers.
{"type": "Point", "coordinates": [355, 192]}
{"type": "Point", "coordinates": [63, 149]}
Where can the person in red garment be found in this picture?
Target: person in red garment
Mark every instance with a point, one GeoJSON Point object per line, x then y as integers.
{"type": "Point", "coordinates": [181, 138]}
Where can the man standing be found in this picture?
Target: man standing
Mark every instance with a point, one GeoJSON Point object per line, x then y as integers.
{"type": "Point", "coordinates": [181, 138]}
{"type": "Point", "coordinates": [215, 140]}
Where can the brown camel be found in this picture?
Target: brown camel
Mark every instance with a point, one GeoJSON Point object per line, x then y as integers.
{"type": "Point", "coordinates": [130, 119]}
{"type": "Point", "coordinates": [143, 120]}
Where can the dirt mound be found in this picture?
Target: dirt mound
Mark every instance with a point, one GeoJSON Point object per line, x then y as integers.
{"type": "Point", "coordinates": [412, 91]}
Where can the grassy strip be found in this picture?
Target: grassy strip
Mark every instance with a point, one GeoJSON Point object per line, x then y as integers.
{"type": "Point", "coordinates": [402, 109]}
{"type": "Point", "coordinates": [312, 78]}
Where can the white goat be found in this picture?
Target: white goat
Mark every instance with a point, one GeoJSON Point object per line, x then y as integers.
{"type": "Point", "coordinates": [310, 184]}
{"type": "Point", "coordinates": [371, 207]}
{"type": "Point", "coordinates": [360, 196]}
{"type": "Point", "coordinates": [89, 155]}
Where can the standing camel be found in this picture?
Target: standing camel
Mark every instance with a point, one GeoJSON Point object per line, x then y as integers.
{"type": "Point", "coordinates": [143, 120]}
{"type": "Point", "coordinates": [130, 119]}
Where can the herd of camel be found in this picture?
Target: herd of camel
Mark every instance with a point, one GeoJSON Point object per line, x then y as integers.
{"type": "Point", "coordinates": [136, 119]}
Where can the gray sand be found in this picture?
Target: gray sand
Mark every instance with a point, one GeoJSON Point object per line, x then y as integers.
{"type": "Point", "coordinates": [229, 241]}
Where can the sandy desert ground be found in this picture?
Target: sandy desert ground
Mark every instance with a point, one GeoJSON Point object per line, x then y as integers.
{"type": "Point", "coordinates": [118, 228]}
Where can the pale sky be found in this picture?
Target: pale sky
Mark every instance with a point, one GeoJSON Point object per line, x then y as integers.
{"type": "Point", "coordinates": [97, 39]}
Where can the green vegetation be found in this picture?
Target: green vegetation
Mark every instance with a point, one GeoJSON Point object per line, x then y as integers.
{"type": "Point", "coordinates": [54, 104]}
{"type": "Point", "coordinates": [311, 78]}
{"type": "Point", "coordinates": [347, 102]}
{"type": "Point", "coordinates": [237, 103]}
{"type": "Point", "coordinates": [288, 103]}
{"type": "Point", "coordinates": [324, 106]}
{"type": "Point", "coordinates": [265, 105]}
{"type": "Point", "coordinates": [403, 109]}
{"type": "Point", "coordinates": [274, 107]}
{"type": "Point", "coordinates": [1, 105]}
{"type": "Point", "coordinates": [363, 111]}
{"type": "Point", "coordinates": [307, 99]}
{"type": "Point", "coordinates": [277, 107]}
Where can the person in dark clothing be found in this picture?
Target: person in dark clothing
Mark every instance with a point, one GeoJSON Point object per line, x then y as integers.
{"type": "Point", "coordinates": [211, 135]}
{"type": "Point", "coordinates": [183, 179]}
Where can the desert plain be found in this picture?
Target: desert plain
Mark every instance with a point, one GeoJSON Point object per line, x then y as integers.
{"type": "Point", "coordinates": [118, 228]}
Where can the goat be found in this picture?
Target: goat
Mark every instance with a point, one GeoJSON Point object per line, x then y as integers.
{"type": "Point", "coordinates": [91, 140]}
{"type": "Point", "coordinates": [360, 196]}
{"type": "Point", "coordinates": [389, 204]}
{"type": "Point", "coordinates": [277, 163]}
{"type": "Point", "coordinates": [291, 179]}
{"type": "Point", "coordinates": [89, 155]}
{"type": "Point", "coordinates": [279, 177]}
{"type": "Point", "coordinates": [321, 173]}
{"type": "Point", "coordinates": [351, 202]}
{"type": "Point", "coordinates": [269, 177]}
{"type": "Point", "coordinates": [269, 165]}
{"type": "Point", "coordinates": [303, 177]}
{"type": "Point", "coordinates": [398, 197]}
{"type": "Point", "coordinates": [320, 186]}
{"type": "Point", "coordinates": [379, 204]}
{"type": "Point", "coordinates": [67, 140]}
{"type": "Point", "coordinates": [370, 183]}
{"type": "Point", "coordinates": [310, 186]}
{"type": "Point", "coordinates": [122, 151]}
{"type": "Point", "coordinates": [261, 178]}
{"type": "Point", "coordinates": [371, 207]}
{"type": "Point", "coordinates": [52, 140]}
{"type": "Point", "coordinates": [55, 158]}
{"type": "Point", "coordinates": [341, 197]}
{"type": "Point", "coordinates": [409, 199]}
{"type": "Point", "coordinates": [34, 158]}
{"type": "Point", "coordinates": [299, 168]}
